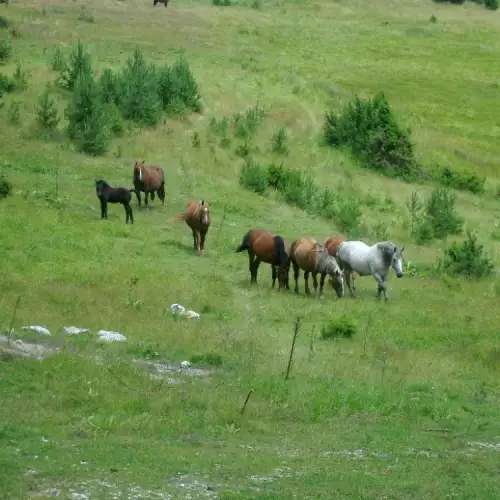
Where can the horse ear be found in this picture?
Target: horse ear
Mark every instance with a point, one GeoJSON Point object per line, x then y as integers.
{"type": "Point", "coordinates": [402, 249]}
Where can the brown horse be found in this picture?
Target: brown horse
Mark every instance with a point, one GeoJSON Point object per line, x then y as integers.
{"type": "Point", "coordinates": [264, 246]}
{"type": "Point", "coordinates": [197, 217]}
{"type": "Point", "coordinates": [310, 256]}
{"type": "Point", "coordinates": [332, 244]}
{"type": "Point", "coordinates": [148, 179]}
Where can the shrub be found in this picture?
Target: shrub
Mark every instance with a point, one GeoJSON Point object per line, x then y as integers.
{"type": "Point", "coordinates": [369, 128]}
{"type": "Point", "coordinates": [109, 86]}
{"type": "Point", "coordinates": [86, 115]}
{"type": "Point", "coordinates": [221, 3]}
{"type": "Point", "coordinates": [140, 101]}
{"type": "Point", "coordinates": [6, 84]}
{"type": "Point", "coordinates": [253, 177]}
{"type": "Point", "coordinates": [19, 79]}
{"type": "Point", "coordinates": [345, 212]}
{"type": "Point", "coordinates": [14, 113]}
{"type": "Point", "coordinates": [5, 49]}
{"type": "Point", "coordinates": [465, 181]}
{"type": "Point", "coordinates": [177, 85]}
{"type": "Point", "coordinates": [4, 22]}
{"type": "Point", "coordinates": [5, 187]}
{"type": "Point", "coordinates": [46, 111]}
{"type": "Point", "coordinates": [79, 62]}
{"type": "Point", "coordinates": [441, 214]}
{"type": "Point", "coordinates": [338, 327]}
{"type": "Point", "coordinates": [467, 258]}
{"type": "Point", "coordinates": [279, 141]}
{"type": "Point", "coordinates": [298, 188]}
{"type": "Point", "coordinates": [58, 62]}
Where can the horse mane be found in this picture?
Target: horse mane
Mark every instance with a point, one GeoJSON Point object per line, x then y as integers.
{"type": "Point", "coordinates": [388, 248]}
{"type": "Point", "coordinates": [326, 262]}
{"type": "Point", "coordinates": [102, 183]}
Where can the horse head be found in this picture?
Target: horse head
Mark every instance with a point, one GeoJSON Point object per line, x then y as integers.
{"type": "Point", "coordinates": [204, 208]}
{"type": "Point", "coordinates": [139, 169]}
{"type": "Point", "coordinates": [337, 277]}
{"type": "Point", "coordinates": [100, 185]}
{"type": "Point", "coordinates": [393, 257]}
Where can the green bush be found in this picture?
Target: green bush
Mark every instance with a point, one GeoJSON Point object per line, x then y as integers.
{"type": "Point", "coordinates": [140, 102]}
{"type": "Point", "coordinates": [87, 119]}
{"type": "Point", "coordinates": [279, 141]}
{"type": "Point", "coordinates": [5, 187]}
{"type": "Point", "coordinates": [338, 327]}
{"type": "Point", "coordinates": [79, 62]}
{"type": "Point", "coordinates": [467, 258]}
{"type": "Point", "coordinates": [369, 128]}
{"type": "Point", "coordinates": [437, 218]}
{"type": "Point", "coordinates": [5, 49]}
{"type": "Point", "coordinates": [464, 181]}
{"type": "Point", "coordinates": [109, 86]}
{"type": "Point", "coordinates": [253, 177]}
{"type": "Point", "coordinates": [46, 111]}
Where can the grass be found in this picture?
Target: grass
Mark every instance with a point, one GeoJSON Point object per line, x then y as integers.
{"type": "Point", "coordinates": [407, 408]}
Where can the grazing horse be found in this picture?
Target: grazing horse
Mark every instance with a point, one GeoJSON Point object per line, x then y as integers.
{"type": "Point", "coordinates": [197, 217]}
{"type": "Point", "coordinates": [332, 244]}
{"type": "Point", "coordinates": [264, 246]}
{"type": "Point", "coordinates": [108, 194]}
{"type": "Point", "coordinates": [312, 257]}
{"type": "Point", "coordinates": [375, 260]}
{"type": "Point", "coordinates": [148, 179]}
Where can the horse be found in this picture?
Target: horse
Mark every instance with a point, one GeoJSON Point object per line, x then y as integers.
{"type": "Point", "coordinates": [332, 244]}
{"type": "Point", "coordinates": [264, 246]}
{"type": "Point", "coordinates": [160, 1]}
{"type": "Point", "coordinates": [312, 257]}
{"type": "Point", "coordinates": [375, 260]}
{"type": "Point", "coordinates": [197, 217]}
{"type": "Point", "coordinates": [148, 178]}
{"type": "Point", "coordinates": [108, 194]}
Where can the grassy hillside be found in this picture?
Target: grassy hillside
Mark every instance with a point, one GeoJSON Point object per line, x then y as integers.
{"type": "Point", "coordinates": [407, 408]}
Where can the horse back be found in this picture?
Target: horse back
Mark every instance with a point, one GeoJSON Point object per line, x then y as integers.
{"type": "Point", "coordinates": [263, 245]}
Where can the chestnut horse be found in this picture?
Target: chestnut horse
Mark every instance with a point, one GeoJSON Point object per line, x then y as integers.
{"type": "Point", "coordinates": [108, 194]}
{"type": "Point", "coordinates": [332, 244]}
{"type": "Point", "coordinates": [313, 258]}
{"type": "Point", "coordinates": [148, 179]}
{"type": "Point", "coordinates": [197, 217]}
{"type": "Point", "coordinates": [264, 246]}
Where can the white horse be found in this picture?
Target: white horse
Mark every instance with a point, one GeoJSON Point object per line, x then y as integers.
{"type": "Point", "coordinates": [375, 260]}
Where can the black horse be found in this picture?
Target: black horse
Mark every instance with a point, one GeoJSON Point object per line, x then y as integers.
{"type": "Point", "coordinates": [108, 194]}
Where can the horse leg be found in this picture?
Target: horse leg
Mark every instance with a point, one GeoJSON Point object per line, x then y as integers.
{"type": "Point", "coordinates": [306, 282]}
{"type": "Point", "coordinates": [256, 264]}
{"type": "Point", "coordinates": [296, 272]}
{"type": "Point", "coordinates": [274, 273]}
{"type": "Point", "coordinates": [315, 282]}
{"type": "Point", "coordinates": [251, 258]}
{"type": "Point", "coordinates": [146, 194]}
{"type": "Point", "coordinates": [130, 213]}
{"type": "Point", "coordinates": [202, 241]}
{"type": "Point", "coordinates": [152, 198]}
{"type": "Point", "coordinates": [381, 286]}
{"type": "Point", "coordinates": [104, 214]}
{"type": "Point", "coordinates": [138, 194]}
{"type": "Point", "coordinates": [352, 288]}
{"type": "Point", "coordinates": [161, 191]}
{"type": "Point", "coordinates": [321, 285]}
{"type": "Point", "coordinates": [195, 240]}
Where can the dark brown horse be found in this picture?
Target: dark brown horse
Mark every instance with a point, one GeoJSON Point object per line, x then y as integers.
{"type": "Point", "coordinates": [148, 179]}
{"type": "Point", "coordinates": [197, 217]}
{"type": "Point", "coordinates": [108, 194]}
{"type": "Point", "coordinates": [332, 244]}
{"type": "Point", "coordinates": [264, 246]}
{"type": "Point", "coordinates": [307, 254]}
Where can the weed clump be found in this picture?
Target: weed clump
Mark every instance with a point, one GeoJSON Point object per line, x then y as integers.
{"type": "Point", "coordinates": [467, 259]}
{"type": "Point", "coordinates": [369, 128]}
{"type": "Point", "coordinates": [464, 181]}
{"type": "Point", "coordinates": [5, 50]}
{"type": "Point", "coordinates": [210, 358]}
{"type": "Point", "coordinates": [343, 327]}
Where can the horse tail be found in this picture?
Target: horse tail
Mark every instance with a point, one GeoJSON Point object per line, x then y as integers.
{"type": "Point", "coordinates": [179, 217]}
{"type": "Point", "coordinates": [279, 245]}
{"type": "Point", "coordinates": [245, 244]}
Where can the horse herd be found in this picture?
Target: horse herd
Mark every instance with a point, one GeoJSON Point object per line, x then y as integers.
{"type": "Point", "coordinates": [338, 258]}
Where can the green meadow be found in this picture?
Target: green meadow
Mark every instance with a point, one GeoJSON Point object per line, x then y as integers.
{"type": "Point", "coordinates": [407, 407]}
